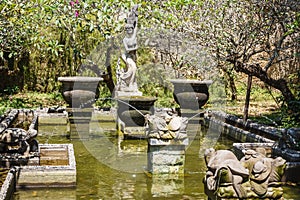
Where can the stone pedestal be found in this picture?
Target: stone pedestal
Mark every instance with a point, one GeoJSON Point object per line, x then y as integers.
{"type": "Point", "coordinates": [80, 122]}
{"type": "Point", "coordinates": [127, 94]}
{"type": "Point", "coordinates": [166, 156]}
{"type": "Point", "coordinates": [80, 93]}
{"type": "Point", "coordinates": [80, 115]}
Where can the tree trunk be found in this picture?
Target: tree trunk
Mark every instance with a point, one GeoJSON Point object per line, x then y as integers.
{"type": "Point", "coordinates": [247, 101]}
{"type": "Point", "coordinates": [232, 89]}
{"type": "Point", "coordinates": [257, 71]}
{"type": "Point", "coordinates": [108, 78]}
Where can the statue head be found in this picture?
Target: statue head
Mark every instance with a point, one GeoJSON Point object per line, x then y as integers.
{"type": "Point", "coordinates": [208, 154]}
{"type": "Point", "coordinates": [129, 28]}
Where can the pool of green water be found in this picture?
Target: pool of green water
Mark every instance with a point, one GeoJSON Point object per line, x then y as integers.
{"type": "Point", "coordinates": [110, 168]}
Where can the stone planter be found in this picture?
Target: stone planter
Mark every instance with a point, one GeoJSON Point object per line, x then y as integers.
{"type": "Point", "coordinates": [132, 108]}
{"type": "Point", "coordinates": [80, 91]}
{"type": "Point", "coordinates": [191, 94]}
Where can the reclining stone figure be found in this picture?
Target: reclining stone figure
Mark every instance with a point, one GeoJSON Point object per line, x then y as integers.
{"type": "Point", "coordinates": [254, 176]}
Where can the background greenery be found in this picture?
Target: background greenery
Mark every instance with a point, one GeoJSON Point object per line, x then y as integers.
{"type": "Point", "coordinates": [44, 39]}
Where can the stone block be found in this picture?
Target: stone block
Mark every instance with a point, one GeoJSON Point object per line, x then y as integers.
{"type": "Point", "coordinates": [166, 157]}
{"type": "Point", "coordinates": [53, 124]}
{"type": "Point", "coordinates": [53, 119]}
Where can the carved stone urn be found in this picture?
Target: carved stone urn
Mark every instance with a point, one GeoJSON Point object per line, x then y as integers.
{"type": "Point", "coordinates": [132, 109]}
{"type": "Point", "coordinates": [191, 94]}
{"type": "Point", "coordinates": [80, 91]}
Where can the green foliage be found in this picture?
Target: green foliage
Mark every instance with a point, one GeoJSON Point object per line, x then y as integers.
{"type": "Point", "coordinates": [30, 100]}
{"type": "Point", "coordinates": [57, 34]}
{"type": "Point", "coordinates": [11, 90]}
{"type": "Point", "coordinates": [290, 115]}
{"type": "Point", "coordinates": [290, 111]}
{"type": "Point", "coordinates": [153, 79]}
{"type": "Point", "coordinates": [104, 100]}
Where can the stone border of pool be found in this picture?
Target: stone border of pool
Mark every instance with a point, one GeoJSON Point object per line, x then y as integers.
{"type": "Point", "coordinates": [56, 168]}
{"type": "Point", "coordinates": [9, 185]}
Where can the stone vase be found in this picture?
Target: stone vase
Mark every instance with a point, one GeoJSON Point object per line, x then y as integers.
{"type": "Point", "coordinates": [80, 91]}
{"type": "Point", "coordinates": [131, 109]}
{"type": "Point", "coordinates": [191, 94]}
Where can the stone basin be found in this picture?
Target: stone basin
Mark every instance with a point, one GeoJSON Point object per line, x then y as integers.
{"type": "Point", "coordinates": [79, 91]}
{"type": "Point", "coordinates": [56, 167]}
{"type": "Point", "coordinates": [129, 115]}
{"type": "Point", "coordinates": [191, 94]}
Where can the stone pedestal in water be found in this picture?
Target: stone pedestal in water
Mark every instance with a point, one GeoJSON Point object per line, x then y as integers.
{"type": "Point", "coordinates": [166, 156]}
{"type": "Point", "coordinates": [80, 93]}
{"type": "Point", "coordinates": [167, 141]}
{"type": "Point", "coordinates": [166, 161]}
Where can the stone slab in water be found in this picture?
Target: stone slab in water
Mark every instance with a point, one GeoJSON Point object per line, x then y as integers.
{"type": "Point", "coordinates": [54, 130]}
{"type": "Point", "coordinates": [53, 119]}
{"type": "Point", "coordinates": [104, 116]}
{"type": "Point", "coordinates": [134, 132]}
{"type": "Point", "coordinates": [51, 173]}
{"type": "Point", "coordinates": [53, 124]}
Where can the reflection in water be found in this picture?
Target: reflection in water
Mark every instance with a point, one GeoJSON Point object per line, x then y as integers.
{"type": "Point", "coordinates": [96, 180]}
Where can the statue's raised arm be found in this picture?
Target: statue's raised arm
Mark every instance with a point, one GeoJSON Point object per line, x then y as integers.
{"type": "Point", "coordinates": [130, 40]}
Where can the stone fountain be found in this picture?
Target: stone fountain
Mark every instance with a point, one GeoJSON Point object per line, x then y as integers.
{"type": "Point", "coordinates": [132, 106]}
{"type": "Point", "coordinates": [167, 140]}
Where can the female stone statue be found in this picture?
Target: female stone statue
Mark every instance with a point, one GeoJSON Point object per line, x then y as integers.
{"type": "Point", "coordinates": [129, 57]}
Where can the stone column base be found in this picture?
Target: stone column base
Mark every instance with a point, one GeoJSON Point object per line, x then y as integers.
{"type": "Point", "coordinates": [166, 156]}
